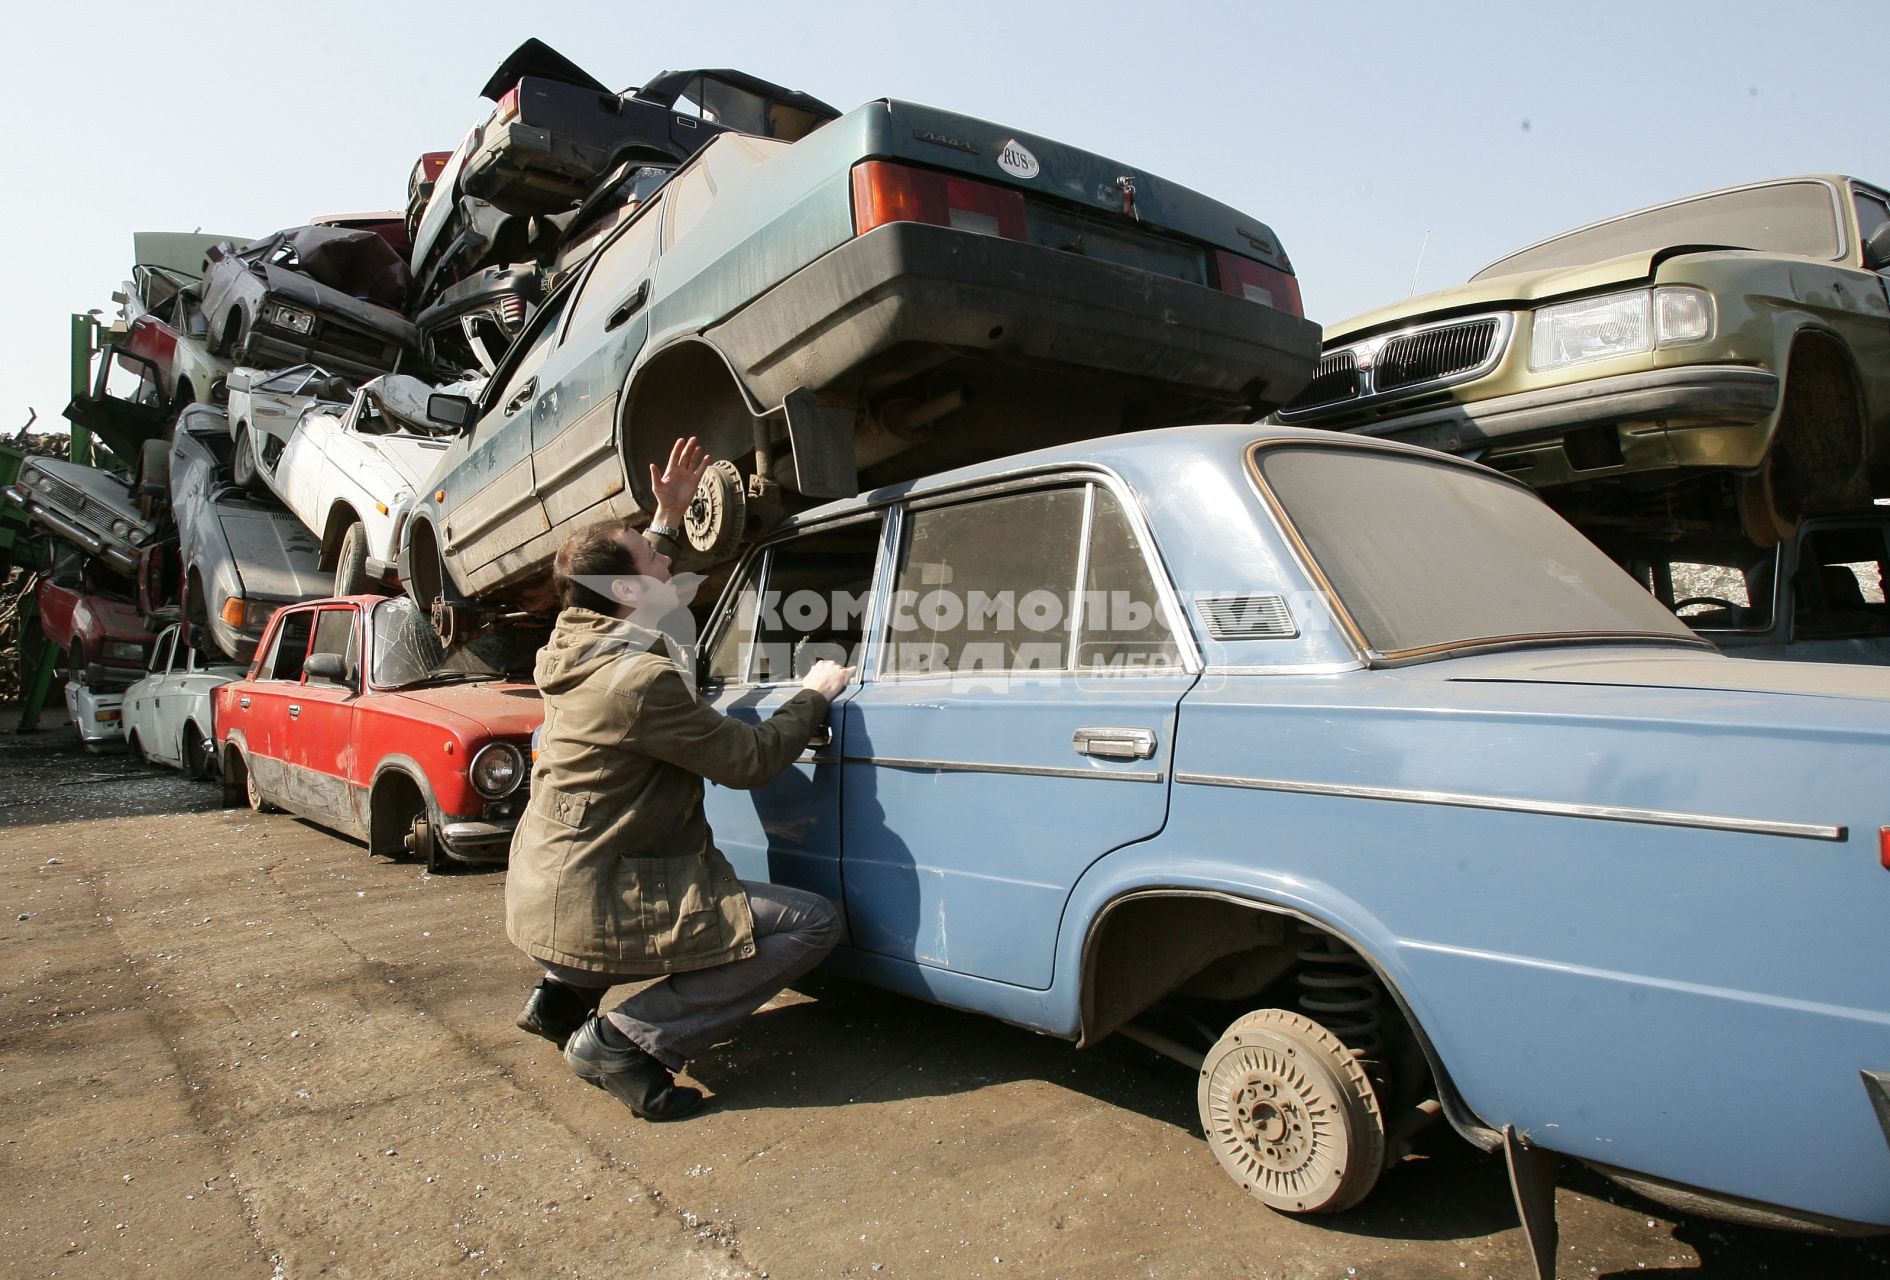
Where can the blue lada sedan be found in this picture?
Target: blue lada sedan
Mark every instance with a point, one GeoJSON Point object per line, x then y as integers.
{"type": "Point", "coordinates": [1349, 775]}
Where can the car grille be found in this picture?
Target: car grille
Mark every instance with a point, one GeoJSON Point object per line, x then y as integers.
{"type": "Point", "coordinates": [1335, 379]}
{"type": "Point", "coordinates": [75, 503]}
{"type": "Point", "coordinates": [1430, 354]}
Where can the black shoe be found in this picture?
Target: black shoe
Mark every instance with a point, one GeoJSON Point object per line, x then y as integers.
{"type": "Point", "coordinates": [554, 1010]}
{"type": "Point", "coordinates": [603, 1055]}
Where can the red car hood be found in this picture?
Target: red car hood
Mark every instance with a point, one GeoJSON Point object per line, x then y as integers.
{"type": "Point", "coordinates": [506, 710]}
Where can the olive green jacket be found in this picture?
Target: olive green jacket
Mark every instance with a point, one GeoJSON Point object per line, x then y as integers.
{"type": "Point", "coordinates": [614, 869]}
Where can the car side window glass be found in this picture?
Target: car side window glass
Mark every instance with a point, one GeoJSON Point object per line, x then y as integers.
{"type": "Point", "coordinates": [1872, 214]}
{"type": "Point", "coordinates": [616, 269]}
{"type": "Point", "coordinates": [334, 633]}
{"type": "Point", "coordinates": [814, 605]}
{"type": "Point", "coordinates": [1124, 629]}
{"type": "Point", "coordinates": [733, 646]}
{"type": "Point", "coordinates": [161, 653]}
{"type": "Point", "coordinates": [987, 586]}
{"type": "Point", "coordinates": [291, 646]}
{"type": "Point", "coordinates": [527, 364]}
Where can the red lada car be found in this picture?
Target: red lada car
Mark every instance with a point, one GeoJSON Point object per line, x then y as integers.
{"type": "Point", "coordinates": [353, 717]}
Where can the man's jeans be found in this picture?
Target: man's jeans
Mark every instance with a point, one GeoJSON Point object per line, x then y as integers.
{"type": "Point", "coordinates": [684, 1013]}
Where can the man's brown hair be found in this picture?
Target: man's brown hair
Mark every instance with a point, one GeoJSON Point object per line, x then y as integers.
{"type": "Point", "coordinates": [592, 553]}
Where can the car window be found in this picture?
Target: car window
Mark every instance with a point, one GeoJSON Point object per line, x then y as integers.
{"type": "Point", "coordinates": [1872, 214]}
{"type": "Point", "coordinates": [733, 646]}
{"type": "Point", "coordinates": [1124, 627]}
{"type": "Point", "coordinates": [616, 269]}
{"type": "Point", "coordinates": [814, 604]}
{"type": "Point", "coordinates": [1428, 556]}
{"type": "Point", "coordinates": [1839, 587]}
{"type": "Point", "coordinates": [334, 633]}
{"type": "Point", "coordinates": [291, 646]}
{"type": "Point", "coordinates": [161, 652]}
{"type": "Point", "coordinates": [987, 585]}
{"type": "Point", "coordinates": [530, 351]}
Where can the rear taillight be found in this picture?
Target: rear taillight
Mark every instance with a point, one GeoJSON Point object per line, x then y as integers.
{"type": "Point", "coordinates": [507, 108]}
{"type": "Point", "coordinates": [884, 193]}
{"type": "Point", "coordinates": [1257, 282]}
{"type": "Point", "coordinates": [1883, 847]}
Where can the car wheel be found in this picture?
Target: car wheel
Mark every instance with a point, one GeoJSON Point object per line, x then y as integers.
{"type": "Point", "coordinates": [199, 763]}
{"type": "Point", "coordinates": [1290, 1114]}
{"type": "Point", "coordinates": [351, 575]}
{"type": "Point", "coordinates": [254, 795]}
{"type": "Point", "coordinates": [134, 747]}
{"type": "Point", "coordinates": [243, 462]}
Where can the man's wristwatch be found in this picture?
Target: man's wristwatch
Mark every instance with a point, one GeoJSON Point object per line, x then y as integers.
{"type": "Point", "coordinates": [665, 531]}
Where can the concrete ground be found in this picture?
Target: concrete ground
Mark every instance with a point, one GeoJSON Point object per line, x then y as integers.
{"type": "Point", "coordinates": [235, 1045]}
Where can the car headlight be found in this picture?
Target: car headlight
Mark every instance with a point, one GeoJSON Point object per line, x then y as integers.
{"type": "Point", "coordinates": [293, 318]}
{"type": "Point", "coordinates": [121, 529]}
{"type": "Point", "coordinates": [497, 770]}
{"type": "Point", "coordinates": [1618, 324]}
{"type": "Point", "coordinates": [123, 651]}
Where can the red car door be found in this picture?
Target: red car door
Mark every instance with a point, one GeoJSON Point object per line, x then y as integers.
{"type": "Point", "coordinates": [263, 705]}
{"type": "Point", "coordinates": [318, 723]}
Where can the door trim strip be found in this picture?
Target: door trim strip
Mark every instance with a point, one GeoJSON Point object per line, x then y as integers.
{"type": "Point", "coordinates": [1024, 770]}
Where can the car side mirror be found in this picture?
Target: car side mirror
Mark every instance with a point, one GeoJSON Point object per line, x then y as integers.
{"type": "Point", "coordinates": [326, 666]}
{"type": "Point", "coordinates": [456, 412]}
{"type": "Point", "coordinates": [1877, 248]}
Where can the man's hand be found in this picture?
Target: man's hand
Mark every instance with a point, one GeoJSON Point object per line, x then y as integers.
{"type": "Point", "coordinates": [676, 484]}
{"type": "Point", "coordinates": [828, 678]}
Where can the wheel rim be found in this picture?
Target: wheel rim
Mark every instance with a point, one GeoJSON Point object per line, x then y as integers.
{"type": "Point", "coordinates": [1290, 1115]}
{"type": "Point", "coordinates": [254, 792]}
{"type": "Point", "coordinates": [421, 844]}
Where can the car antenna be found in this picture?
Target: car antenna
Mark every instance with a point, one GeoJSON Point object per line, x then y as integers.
{"type": "Point", "coordinates": [1420, 262]}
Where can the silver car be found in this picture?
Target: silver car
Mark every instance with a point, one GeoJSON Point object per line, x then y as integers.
{"type": "Point", "coordinates": [167, 715]}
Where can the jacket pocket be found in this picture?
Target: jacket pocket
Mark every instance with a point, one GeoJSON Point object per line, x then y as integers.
{"type": "Point", "coordinates": [667, 907]}
{"type": "Point", "coordinates": [565, 808]}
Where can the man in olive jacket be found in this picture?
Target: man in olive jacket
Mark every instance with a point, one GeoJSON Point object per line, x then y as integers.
{"type": "Point", "coordinates": [614, 875]}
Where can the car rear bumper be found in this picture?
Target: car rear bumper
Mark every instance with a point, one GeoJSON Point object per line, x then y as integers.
{"type": "Point", "coordinates": [908, 284]}
{"type": "Point", "coordinates": [1707, 415]}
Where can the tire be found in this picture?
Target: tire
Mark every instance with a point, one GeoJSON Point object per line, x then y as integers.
{"type": "Point", "coordinates": [243, 463]}
{"type": "Point", "coordinates": [134, 746]}
{"type": "Point", "coordinates": [1290, 1114]}
{"type": "Point", "coordinates": [234, 774]}
{"type": "Point", "coordinates": [408, 816]}
{"type": "Point", "coordinates": [351, 573]}
{"type": "Point", "coordinates": [1819, 455]}
{"type": "Point", "coordinates": [254, 795]}
{"type": "Point", "coordinates": [198, 764]}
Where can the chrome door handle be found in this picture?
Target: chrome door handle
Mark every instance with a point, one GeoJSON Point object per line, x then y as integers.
{"type": "Point", "coordinates": [294, 710]}
{"type": "Point", "coordinates": [821, 737]}
{"type": "Point", "coordinates": [523, 398]}
{"type": "Point", "coordinates": [243, 702]}
{"type": "Point", "coordinates": [1115, 743]}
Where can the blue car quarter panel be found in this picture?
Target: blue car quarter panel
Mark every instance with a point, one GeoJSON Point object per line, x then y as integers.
{"type": "Point", "coordinates": [1595, 897]}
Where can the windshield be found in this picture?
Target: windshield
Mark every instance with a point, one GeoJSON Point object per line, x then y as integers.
{"type": "Point", "coordinates": [406, 652]}
{"type": "Point", "coordinates": [1432, 555]}
{"type": "Point", "coordinates": [1798, 218]}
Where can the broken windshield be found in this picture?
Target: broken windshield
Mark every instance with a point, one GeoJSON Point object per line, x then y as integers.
{"type": "Point", "coordinates": [407, 653]}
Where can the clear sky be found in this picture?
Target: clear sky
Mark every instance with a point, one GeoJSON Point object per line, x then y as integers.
{"type": "Point", "coordinates": [1354, 129]}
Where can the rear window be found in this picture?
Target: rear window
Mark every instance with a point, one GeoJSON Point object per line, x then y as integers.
{"type": "Point", "coordinates": [1784, 217]}
{"type": "Point", "coordinates": [1432, 555]}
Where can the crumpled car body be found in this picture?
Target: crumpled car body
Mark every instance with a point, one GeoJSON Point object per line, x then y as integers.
{"type": "Point", "coordinates": [824, 314]}
{"type": "Point", "coordinates": [357, 464]}
{"type": "Point", "coordinates": [239, 557]}
{"type": "Point", "coordinates": [319, 295]}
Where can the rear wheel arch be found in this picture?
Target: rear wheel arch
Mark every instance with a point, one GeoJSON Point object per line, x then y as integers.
{"type": "Point", "coordinates": [425, 579]}
{"type": "Point", "coordinates": [340, 516]}
{"type": "Point", "coordinates": [1820, 454]}
{"type": "Point", "coordinates": [686, 389]}
{"type": "Point", "coordinates": [1148, 943]}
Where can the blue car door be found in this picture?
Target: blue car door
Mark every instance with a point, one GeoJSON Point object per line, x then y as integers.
{"type": "Point", "coordinates": [576, 461]}
{"type": "Point", "coordinates": [1017, 723]}
{"type": "Point", "coordinates": [795, 602]}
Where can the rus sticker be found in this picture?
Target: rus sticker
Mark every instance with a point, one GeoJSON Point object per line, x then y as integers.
{"type": "Point", "coordinates": [1015, 159]}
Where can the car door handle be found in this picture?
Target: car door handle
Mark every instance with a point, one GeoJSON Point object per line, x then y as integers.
{"type": "Point", "coordinates": [1115, 743]}
{"type": "Point", "coordinates": [523, 398]}
{"type": "Point", "coordinates": [821, 737]}
{"type": "Point", "coordinates": [243, 702]}
{"type": "Point", "coordinates": [631, 305]}
{"type": "Point", "coordinates": [294, 710]}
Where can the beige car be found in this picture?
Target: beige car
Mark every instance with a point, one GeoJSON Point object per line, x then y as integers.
{"type": "Point", "coordinates": [1721, 361]}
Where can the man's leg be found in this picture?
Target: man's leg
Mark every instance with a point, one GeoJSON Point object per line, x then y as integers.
{"type": "Point", "coordinates": [564, 1000]}
{"type": "Point", "coordinates": [685, 1013]}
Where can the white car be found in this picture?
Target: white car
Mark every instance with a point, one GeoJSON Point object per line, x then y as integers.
{"type": "Point", "coordinates": [95, 714]}
{"type": "Point", "coordinates": [347, 471]}
{"type": "Point", "coordinates": [166, 715]}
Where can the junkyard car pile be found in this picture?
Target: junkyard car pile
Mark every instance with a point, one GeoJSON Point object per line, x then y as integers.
{"type": "Point", "coordinates": [355, 446]}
